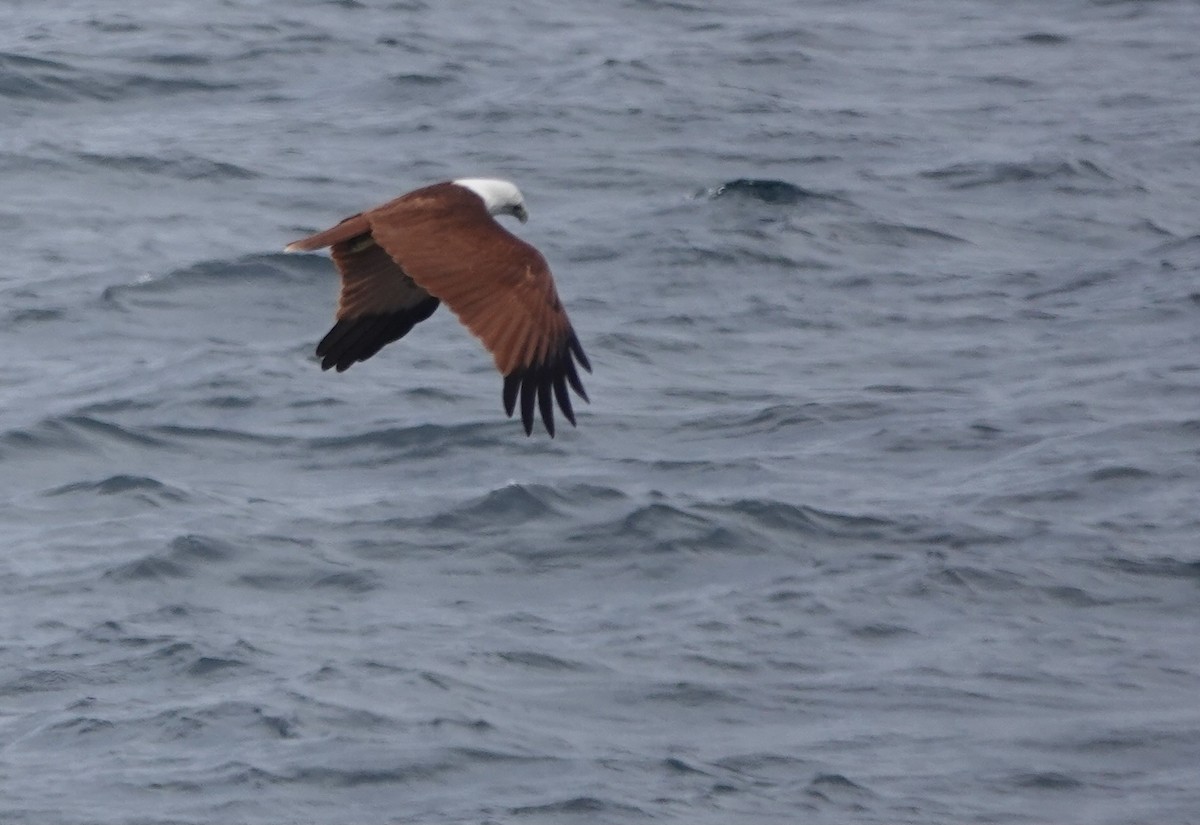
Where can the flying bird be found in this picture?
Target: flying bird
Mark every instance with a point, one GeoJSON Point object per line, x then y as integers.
{"type": "Point", "coordinates": [402, 259]}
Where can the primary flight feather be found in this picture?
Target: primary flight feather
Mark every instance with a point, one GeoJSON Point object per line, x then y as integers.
{"type": "Point", "coordinates": [441, 243]}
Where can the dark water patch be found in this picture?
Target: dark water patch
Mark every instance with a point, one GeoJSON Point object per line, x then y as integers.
{"type": "Point", "coordinates": [511, 504]}
{"type": "Point", "coordinates": [775, 192]}
{"type": "Point", "coordinates": [1074, 283]}
{"type": "Point", "coordinates": [251, 269]}
{"type": "Point", "coordinates": [338, 777]}
{"type": "Point", "coordinates": [1119, 473]}
{"type": "Point", "coordinates": [881, 631]}
{"type": "Point", "coordinates": [29, 78]}
{"type": "Point", "coordinates": [1046, 781]}
{"type": "Point", "coordinates": [1189, 244]}
{"type": "Point", "coordinates": [419, 441]}
{"type": "Point", "coordinates": [34, 315]}
{"type": "Point", "coordinates": [186, 556]}
{"type": "Point", "coordinates": [178, 59]}
{"type": "Point", "coordinates": [897, 234]}
{"type": "Point", "coordinates": [970, 579]}
{"type": "Point", "coordinates": [228, 775]}
{"type": "Point", "coordinates": [181, 166]}
{"type": "Point", "coordinates": [229, 402]}
{"type": "Point", "coordinates": [541, 661]}
{"type": "Point", "coordinates": [722, 665]}
{"type": "Point", "coordinates": [186, 659]}
{"type": "Point", "coordinates": [491, 756]}
{"type": "Point", "coordinates": [177, 433]}
{"type": "Point", "coordinates": [1074, 596]}
{"type": "Point", "coordinates": [1045, 39]}
{"type": "Point", "coordinates": [692, 695]}
{"type": "Point", "coordinates": [676, 765]}
{"type": "Point", "coordinates": [516, 504]}
{"type": "Point", "coordinates": [73, 432]}
{"type": "Point", "coordinates": [211, 665]}
{"type": "Point", "coordinates": [593, 253]}
{"type": "Point", "coordinates": [775, 418]}
{"type": "Point", "coordinates": [802, 520]}
{"type": "Point", "coordinates": [781, 417]}
{"type": "Point", "coordinates": [81, 726]}
{"type": "Point", "coordinates": [977, 174]}
{"type": "Point", "coordinates": [834, 787]}
{"type": "Point", "coordinates": [146, 489]}
{"type": "Point", "coordinates": [1009, 80]}
{"type": "Point", "coordinates": [418, 89]}
{"type": "Point", "coordinates": [474, 725]}
{"type": "Point", "coordinates": [115, 633]}
{"type": "Point", "coordinates": [762, 764]}
{"type": "Point", "coordinates": [36, 680]}
{"type": "Point", "coordinates": [48, 435]}
{"type": "Point", "coordinates": [723, 255]}
{"type": "Point", "coordinates": [1164, 566]}
{"type": "Point", "coordinates": [116, 24]}
{"type": "Point", "coordinates": [416, 79]}
{"type": "Point", "coordinates": [589, 806]}
{"type": "Point", "coordinates": [347, 581]}
{"type": "Point", "coordinates": [149, 568]}
{"type": "Point", "coordinates": [663, 528]}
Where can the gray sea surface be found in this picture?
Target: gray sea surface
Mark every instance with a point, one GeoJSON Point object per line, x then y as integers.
{"type": "Point", "coordinates": [886, 507]}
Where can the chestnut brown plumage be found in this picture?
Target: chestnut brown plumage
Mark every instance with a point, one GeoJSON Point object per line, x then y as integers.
{"type": "Point", "coordinates": [440, 244]}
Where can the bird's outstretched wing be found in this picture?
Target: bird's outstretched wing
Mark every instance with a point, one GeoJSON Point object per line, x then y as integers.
{"type": "Point", "coordinates": [438, 244]}
{"type": "Point", "coordinates": [499, 287]}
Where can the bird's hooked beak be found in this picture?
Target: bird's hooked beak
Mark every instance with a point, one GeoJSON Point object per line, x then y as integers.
{"type": "Point", "coordinates": [520, 214]}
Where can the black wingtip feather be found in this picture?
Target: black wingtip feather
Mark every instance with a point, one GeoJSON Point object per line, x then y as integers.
{"type": "Point", "coordinates": [512, 385]}
{"type": "Point", "coordinates": [546, 406]}
{"type": "Point", "coordinates": [545, 383]}
{"type": "Point", "coordinates": [577, 348]}
{"type": "Point", "coordinates": [563, 398]}
{"type": "Point", "coordinates": [528, 393]}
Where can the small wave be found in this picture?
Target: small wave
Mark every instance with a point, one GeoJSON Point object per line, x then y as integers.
{"type": "Point", "coordinates": [348, 581]}
{"type": "Point", "coordinates": [763, 191]}
{"type": "Point", "coordinates": [418, 441]}
{"type": "Point", "coordinates": [1046, 781]}
{"type": "Point", "coordinates": [184, 166]}
{"type": "Point", "coordinates": [1119, 473]}
{"type": "Point", "coordinates": [209, 665]}
{"type": "Point", "coordinates": [1070, 175]}
{"type": "Point", "coordinates": [783, 417]}
{"type": "Point", "coordinates": [663, 528]}
{"type": "Point", "coordinates": [179, 432]}
{"type": "Point", "coordinates": [184, 557]}
{"type": "Point", "coordinates": [799, 519]}
{"type": "Point", "coordinates": [356, 777]}
{"type": "Point", "coordinates": [251, 268]}
{"type": "Point", "coordinates": [540, 661]}
{"type": "Point", "coordinates": [590, 806]}
{"type": "Point", "coordinates": [1164, 566]}
{"type": "Point", "coordinates": [513, 504]}
{"type": "Point", "coordinates": [897, 234]}
{"type": "Point", "coordinates": [516, 504]}
{"type": "Point", "coordinates": [1045, 38]}
{"type": "Point", "coordinates": [36, 680]}
{"type": "Point", "coordinates": [31, 78]}
{"type": "Point", "coordinates": [34, 315]}
{"type": "Point", "coordinates": [147, 489]}
{"type": "Point", "coordinates": [72, 432]}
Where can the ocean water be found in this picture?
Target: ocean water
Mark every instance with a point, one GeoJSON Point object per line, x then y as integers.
{"type": "Point", "coordinates": [885, 508]}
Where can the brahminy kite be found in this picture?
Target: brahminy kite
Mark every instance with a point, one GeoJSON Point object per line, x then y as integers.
{"type": "Point", "coordinates": [440, 243]}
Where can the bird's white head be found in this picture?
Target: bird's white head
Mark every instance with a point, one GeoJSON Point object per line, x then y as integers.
{"type": "Point", "coordinates": [501, 197]}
